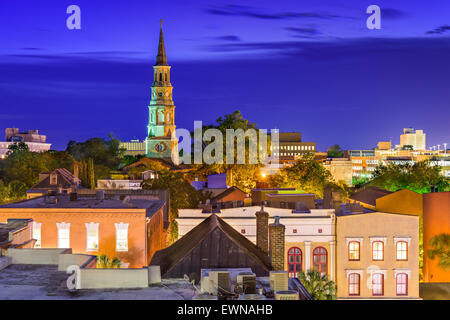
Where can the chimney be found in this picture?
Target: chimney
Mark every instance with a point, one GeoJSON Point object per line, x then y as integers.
{"type": "Point", "coordinates": [276, 235]}
{"type": "Point", "coordinates": [100, 194]}
{"type": "Point", "coordinates": [262, 230]}
{"type": "Point", "coordinates": [327, 197]}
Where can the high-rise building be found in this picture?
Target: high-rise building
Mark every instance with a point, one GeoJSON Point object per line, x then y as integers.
{"type": "Point", "coordinates": [36, 142]}
{"type": "Point", "coordinates": [414, 138]}
{"type": "Point", "coordinates": [161, 141]}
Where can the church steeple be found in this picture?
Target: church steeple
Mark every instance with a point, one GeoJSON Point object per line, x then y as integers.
{"type": "Point", "coordinates": [161, 59]}
{"type": "Point", "coordinates": [161, 139]}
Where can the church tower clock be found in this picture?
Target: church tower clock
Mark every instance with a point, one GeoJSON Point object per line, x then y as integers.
{"type": "Point", "coordinates": [161, 140]}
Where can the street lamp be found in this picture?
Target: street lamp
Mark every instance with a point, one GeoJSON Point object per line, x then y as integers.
{"type": "Point", "coordinates": [445, 147]}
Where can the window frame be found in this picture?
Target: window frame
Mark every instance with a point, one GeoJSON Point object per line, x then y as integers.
{"type": "Point", "coordinates": [320, 255]}
{"type": "Point", "coordinates": [37, 231]}
{"type": "Point", "coordinates": [381, 284]}
{"type": "Point", "coordinates": [122, 227]}
{"type": "Point", "coordinates": [294, 263]}
{"type": "Point", "coordinates": [349, 250]}
{"type": "Point", "coordinates": [63, 227]}
{"type": "Point", "coordinates": [405, 284]}
{"type": "Point", "coordinates": [351, 283]}
{"type": "Point", "coordinates": [397, 251]}
{"type": "Point", "coordinates": [373, 250]}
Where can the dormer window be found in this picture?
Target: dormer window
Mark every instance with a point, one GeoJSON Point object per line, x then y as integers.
{"type": "Point", "coordinates": [53, 179]}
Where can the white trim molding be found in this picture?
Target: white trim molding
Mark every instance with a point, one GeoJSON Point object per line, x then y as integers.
{"type": "Point", "coordinates": [397, 271]}
{"type": "Point", "coordinates": [405, 239]}
{"type": "Point", "coordinates": [358, 271]}
{"type": "Point", "coordinates": [377, 238]}
{"type": "Point", "coordinates": [63, 225]}
{"type": "Point", "coordinates": [375, 269]}
{"type": "Point", "coordinates": [359, 239]}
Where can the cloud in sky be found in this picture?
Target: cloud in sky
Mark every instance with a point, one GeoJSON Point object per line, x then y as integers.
{"type": "Point", "coordinates": [391, 13]}
{"type": "Point", "coordinates": [228, 38]}
{"type": "Point", "coordinates": [439, 30]}
{"type": "Point", "coordinates": [244, 11]}
{"type": "Point", "coordinates": [302, 31]}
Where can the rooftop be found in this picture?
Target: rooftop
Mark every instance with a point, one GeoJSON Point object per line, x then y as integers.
{"type": "Point", "coordinates": [64, 202]}
{"type": "Point", "coordinates": [45, 282]}
{"type": "Point", "coordinates": [249, 213]}
{"type": "Point", "coordinates": [12, 225]}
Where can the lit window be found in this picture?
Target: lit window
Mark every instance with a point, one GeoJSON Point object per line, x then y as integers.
{"type": "Point", "coordinates": [402, 250]}
{"type": "Point", "coordinates": [377, 284]}
{"type": "Point", "coordinates": [121, 236]}
{"type": "Point", "coordinates": [377, 250]}
{"type": "Point", "coordinates": [401, 284]}
{"type": "Point", "coordinates": [353, 250]}
{"type": "Point", "coordinates": [37, 234]}
{"type": "Point", "coordinates": [63, 235]}
{"type": "Point", "coordinates": [353, 284]}
{"type": "Point", "coordinates": [320, 262]}
{"type": "Point", "coordinates": [294, 261]}
{"type": "Point", "coordinates": [92, 236]}
{"type": "Point", "coordinates": [242, 231]}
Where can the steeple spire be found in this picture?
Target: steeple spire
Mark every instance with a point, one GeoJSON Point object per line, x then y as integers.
{"type": "Point", "coordinates": [161, 59]}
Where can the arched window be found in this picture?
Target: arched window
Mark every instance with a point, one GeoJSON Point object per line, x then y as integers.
{"type": "Point", "coordinates": [402, 250]}
{"type": "Point", "coordinates": [402, 284]}
{"type": "Point", "coordinates": [160, 77]}
{"type": "Point", "coordinates": [353, 250]}
{"type": "Point", "coordinates": [166, 76]}
{"type": "Point", "coordinates": [320, 258]}
{"type": "Point", "coordinates": [353, 284]}
{"type": "Point", "coordinates": [378, 250]}
{"type": "Point", "coordinates": [168, 116]}
{"type": "Point", "coordinates": [377, 284]}
{"type": "Point", "coordinates": [294, 261]}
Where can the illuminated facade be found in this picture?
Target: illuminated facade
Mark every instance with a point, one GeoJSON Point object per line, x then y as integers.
{"type": "Point", "coordinates": [161, 140]}
{"type": "Point", "coordinates": [378, 256]}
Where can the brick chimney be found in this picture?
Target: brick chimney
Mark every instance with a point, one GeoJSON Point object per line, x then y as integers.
{"type": "Point", "coordinates": [276, 235]}
{"type": "Point", "coordinates": [262, 230]}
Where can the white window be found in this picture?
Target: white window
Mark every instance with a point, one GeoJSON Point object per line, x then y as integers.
{"type": "Point", "coordinates": [37, 234]}
{"type": "Point", "coordinates": [63, 235]}
{"type": "Point", "coordinates": [121, 236]}
{"type": "Point", "coordinates": [91, 236]}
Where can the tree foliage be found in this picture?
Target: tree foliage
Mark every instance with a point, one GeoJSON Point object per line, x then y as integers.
{"type": "Point", "coordinates": [417, 177]}
{"type": "Point", "coordinates": [306, 175]}
{"type": "Point", "coordinates": [318, 285]}
{"type": "Point", "coordinates": [440, 249]}
{"type": "Point", "coordinates": [182, 195]}
{"type": "Point", "coordinates": [243, 176]}
{"type": "Point", "coordinates": [335, 151]}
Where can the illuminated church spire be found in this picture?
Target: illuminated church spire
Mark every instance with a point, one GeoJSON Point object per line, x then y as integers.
{"type": "Point", "coordinates": [161, 59]}
{"type": "Point", "coordinates": [161, 140]}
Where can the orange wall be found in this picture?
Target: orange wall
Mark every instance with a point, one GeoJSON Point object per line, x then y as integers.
{"type": "Point", "coordinates": [403, 201]}
{"type": "Point", "coordinates": [436, 220]}
{"type": "Point", "coordinates": [234, 196]}
{"type": "Point", "coordinates": [136, 218]}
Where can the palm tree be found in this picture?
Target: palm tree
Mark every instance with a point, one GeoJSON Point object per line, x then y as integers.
{"type": "Point", "coordinates": [106, 263]}
{"type": "Point", "coordinates": [318, 285]}
{"type": "Point", "coordinates": [441, 249]}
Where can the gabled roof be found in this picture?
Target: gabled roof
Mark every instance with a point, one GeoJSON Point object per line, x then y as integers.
{"type": "Point", "coordinates": [65, 179]}
{"type": "Point", "coordinates": [226, 193]}
{"type": "Point", "coordinates": [168, 258]}
{"type": "Point", "coordinates": [369, 195]}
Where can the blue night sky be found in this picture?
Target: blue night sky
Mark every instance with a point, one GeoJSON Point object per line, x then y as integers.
{"type": "Point", "coordinates": [310, 66]}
